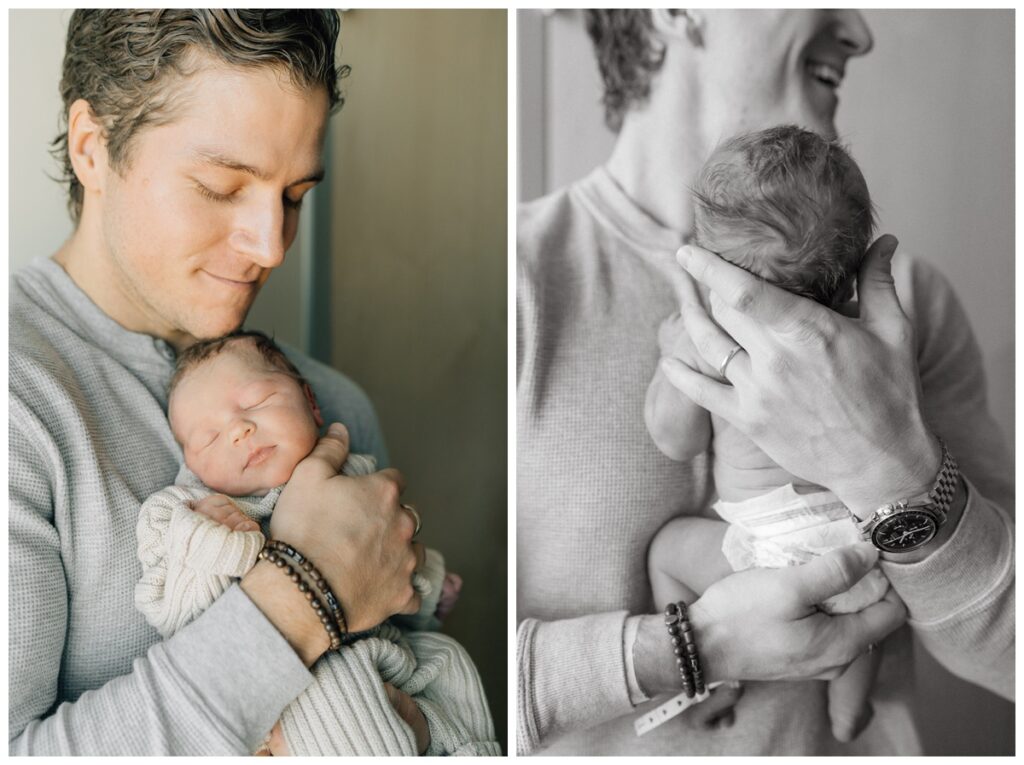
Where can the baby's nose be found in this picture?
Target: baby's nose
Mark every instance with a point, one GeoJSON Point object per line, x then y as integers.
{"type": "Point", "coordinates": [243, 430]}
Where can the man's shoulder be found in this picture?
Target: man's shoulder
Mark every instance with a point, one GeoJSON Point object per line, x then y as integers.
{"type": "Point", "coordinates": [539, 220]}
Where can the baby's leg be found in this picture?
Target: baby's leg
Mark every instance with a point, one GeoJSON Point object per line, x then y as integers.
{"type": "Point", "coordinates": [685, 559]}
{"type": "Point", "coordinates": [849, 706]}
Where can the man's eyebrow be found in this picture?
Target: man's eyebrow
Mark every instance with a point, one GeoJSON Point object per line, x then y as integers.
{"type": "Point", "coordinates": [212, 157]}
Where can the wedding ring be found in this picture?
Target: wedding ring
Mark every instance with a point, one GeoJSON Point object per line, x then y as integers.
{"type": "Point", "coordinates": [415, 516]}
{"type": "Point", "coordinates": [721, 368]}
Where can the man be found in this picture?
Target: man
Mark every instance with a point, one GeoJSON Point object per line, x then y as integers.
{"type": "Point", "coordinates": [191, 139]}
{"type": "Point", "coordinates": [597, 277]}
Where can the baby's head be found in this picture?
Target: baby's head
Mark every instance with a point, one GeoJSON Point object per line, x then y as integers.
{"type": "Point", "coordinates": [787, 205]}
{"type": "Point", "coordinates": [242, 413]}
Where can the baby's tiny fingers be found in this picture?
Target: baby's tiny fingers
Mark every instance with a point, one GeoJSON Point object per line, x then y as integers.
{"type": "Point", "coordinates": [239, 522]}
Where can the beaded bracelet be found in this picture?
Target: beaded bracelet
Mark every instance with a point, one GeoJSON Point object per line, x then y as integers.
{"type": "Point", "coordinates": [685, 648]}
{"type": "Point", "coordinates": [321, 583]}
{"type": "Point", "coordinates": [672, 619]}
{"type": "Point", "coordinates": [329, 612]}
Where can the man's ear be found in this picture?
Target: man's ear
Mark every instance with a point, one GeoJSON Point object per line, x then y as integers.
{"type": "Point", "coordinates": [311, 398]}
{"type": "Point", "coordinates": [87, 147]}
{"type": "Point", "coordinates": [674, 24]}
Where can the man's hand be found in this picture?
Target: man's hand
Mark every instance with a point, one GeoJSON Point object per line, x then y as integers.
{"type": "Point", "coordinates": [353, 530]}
{"type": "Point", "coordinates": [224, 511]}
{"type": "Point", "coordinates": [411, 714]}
{"type": "Point", "coordinates": [763, 624]}
{"type": "Point", "coordinates": [832, 399]}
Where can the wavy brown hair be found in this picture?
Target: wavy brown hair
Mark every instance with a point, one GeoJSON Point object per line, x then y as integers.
{"type": "Point", "coordinates": [123, 61]}
{"type": "Point", "coordinates": [627, 57]}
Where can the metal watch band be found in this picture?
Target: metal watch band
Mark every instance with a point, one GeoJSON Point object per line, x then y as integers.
{"type": "Point", "coordinates": [937, 500]}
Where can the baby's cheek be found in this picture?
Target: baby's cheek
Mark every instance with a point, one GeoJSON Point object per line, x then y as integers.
{"type": "Point", "coordinates": [205, 469]}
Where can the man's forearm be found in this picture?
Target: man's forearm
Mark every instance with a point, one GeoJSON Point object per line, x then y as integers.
{"type": "Point", "coordinates": [216, 687]}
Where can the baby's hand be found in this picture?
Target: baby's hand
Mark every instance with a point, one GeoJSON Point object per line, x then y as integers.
{"type": "Point", "coordinates": [450, 589]}
{"type": "Point", "coordinates": [221, 509]}
{"type": "Point", "coordinates": [675, 342]}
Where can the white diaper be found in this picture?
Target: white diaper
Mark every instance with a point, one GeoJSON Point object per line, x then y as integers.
{"type": "Point", "coordinates": [783, 528]}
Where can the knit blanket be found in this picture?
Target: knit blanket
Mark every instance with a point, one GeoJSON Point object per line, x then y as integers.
{"type": "Point", "coordinates": [189, 560]}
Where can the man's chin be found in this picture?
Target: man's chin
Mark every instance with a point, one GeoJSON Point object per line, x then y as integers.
{"type": "Point", "coordinates": [210, 330]}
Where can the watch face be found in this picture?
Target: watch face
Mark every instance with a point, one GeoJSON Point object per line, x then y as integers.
{"type": "Point", "coordinates": [905, 531]}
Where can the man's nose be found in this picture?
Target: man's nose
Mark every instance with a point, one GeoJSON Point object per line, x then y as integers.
{"type": "Point", "coordinates": [241, 430]}
{"type": "Point", "coordinates": [853, 32]}
{"type": "Point", "coordinates": [260, 236]}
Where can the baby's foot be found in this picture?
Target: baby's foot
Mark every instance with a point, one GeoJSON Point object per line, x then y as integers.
{"type": "Point", "coordinates": [450, 589]}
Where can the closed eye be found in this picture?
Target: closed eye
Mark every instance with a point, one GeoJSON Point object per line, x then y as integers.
{"type": "Point", "coordinates": [261, 402]}
{"type": "Point", "coordinates": [213, 195]}
{"type": "Point", "coordinates": [210, 441]}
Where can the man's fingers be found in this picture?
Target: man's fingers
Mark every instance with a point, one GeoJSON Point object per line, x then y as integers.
{"type": "Point", "coordinates": [412, 606]}
{"type": "Point", "coordinates": [703, 391]}
{"type": "Point", "coordinates": [738, 289]}
{"type": "Point", "coordinates": [687, 291]}
{"type": "Point", "coordinates": [329, 454]}
{"type": "Point", "coordinates": [421, 554]}
{"type": "Point", "coordinates": [876, 291]}
{"type": "Point", "coordinates": [831, 573]}
{"type": "Point", "coordinates": [873, 624]}
{"type": "Point", "coordinates": [392, 474]}
{"type": "Point", "coordinates": [714, 344]}
{"type": "Point", "coordinates": [717, 705]}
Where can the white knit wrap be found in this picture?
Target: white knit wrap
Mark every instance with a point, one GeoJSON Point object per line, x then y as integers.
{"type": "Point", "coordinates": [189, 561]}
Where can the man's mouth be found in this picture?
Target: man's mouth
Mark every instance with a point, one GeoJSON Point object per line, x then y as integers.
{"type": "Point", "coordinates": [231, 282]}
{"type": "Point", "coordinates": [259, 456]}
{"type": "Point", "coordinates": [827, 74]}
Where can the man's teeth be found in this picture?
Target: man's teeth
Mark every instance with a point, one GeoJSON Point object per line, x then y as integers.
{"type": "Point", "coordinates": [826, 73]}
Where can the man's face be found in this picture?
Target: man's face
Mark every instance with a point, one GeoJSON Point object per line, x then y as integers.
{"type": "Point", "coordinates": [762, 68]}
{"type": "Point", "coordinates": [207, 205]}
{"type": "Point", "coordinates": [243, 425]}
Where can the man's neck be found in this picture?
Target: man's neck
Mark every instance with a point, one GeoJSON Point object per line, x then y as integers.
{"type": "Point", "coordinates": [658, 154]}
{"type": "Point", "coordinates": [91, 267]}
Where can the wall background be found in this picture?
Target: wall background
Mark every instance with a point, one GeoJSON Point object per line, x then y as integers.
{"type": "Point", "coordinates": [929, 116]}
{"type": "Point", "coordinates": [408, 249]}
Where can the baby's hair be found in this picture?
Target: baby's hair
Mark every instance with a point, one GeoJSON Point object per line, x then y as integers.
{"type": "Point", "coordinates": [795, 204]}
{"type": "Point", "coordinates": [204, 350]}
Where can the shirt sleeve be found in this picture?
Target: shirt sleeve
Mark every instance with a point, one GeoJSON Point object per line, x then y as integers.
{"type": "Point", "coordinates": [192, 694]}
{"type": "Point", "coordinates": [571, 675]}
{"type": "Point", "coordinates": [961, 597]}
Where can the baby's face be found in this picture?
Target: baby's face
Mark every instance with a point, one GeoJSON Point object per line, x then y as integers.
{"type": "Point", "coordinates": [242, 424]}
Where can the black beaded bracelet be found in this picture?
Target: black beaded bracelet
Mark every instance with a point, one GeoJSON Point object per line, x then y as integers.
{"type": "Point", "coordinates": [328, 596]}
{"type": "Point", "coordinates": [329, 611]}
{"type": "Point", "coordinates": [672, 620]}
{"type": "Point", "coordinates": [685, 648]}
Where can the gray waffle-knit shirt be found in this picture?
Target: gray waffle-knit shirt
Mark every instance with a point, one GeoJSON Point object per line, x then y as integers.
{"type": "Point", "coordinates": [88, 442]}
{"type": "Point", "coordinates": [595, 281]}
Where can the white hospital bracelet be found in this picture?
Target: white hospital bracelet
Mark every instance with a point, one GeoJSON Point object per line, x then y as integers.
{"type": "Point", "coordinates": [671, 708]}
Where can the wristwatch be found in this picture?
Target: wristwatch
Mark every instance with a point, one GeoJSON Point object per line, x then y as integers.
{"type": "Point", "coordinates": [909, 524]}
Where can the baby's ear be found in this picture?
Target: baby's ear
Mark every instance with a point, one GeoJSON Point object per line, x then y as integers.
{"type": "Point", "coordinates": [311, 398]}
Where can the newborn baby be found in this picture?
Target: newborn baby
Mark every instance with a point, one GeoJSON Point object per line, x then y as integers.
{"type": "Point", "coordinates": [787, 205]}
{"type": "Point", "coordinates": [245, 418]}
